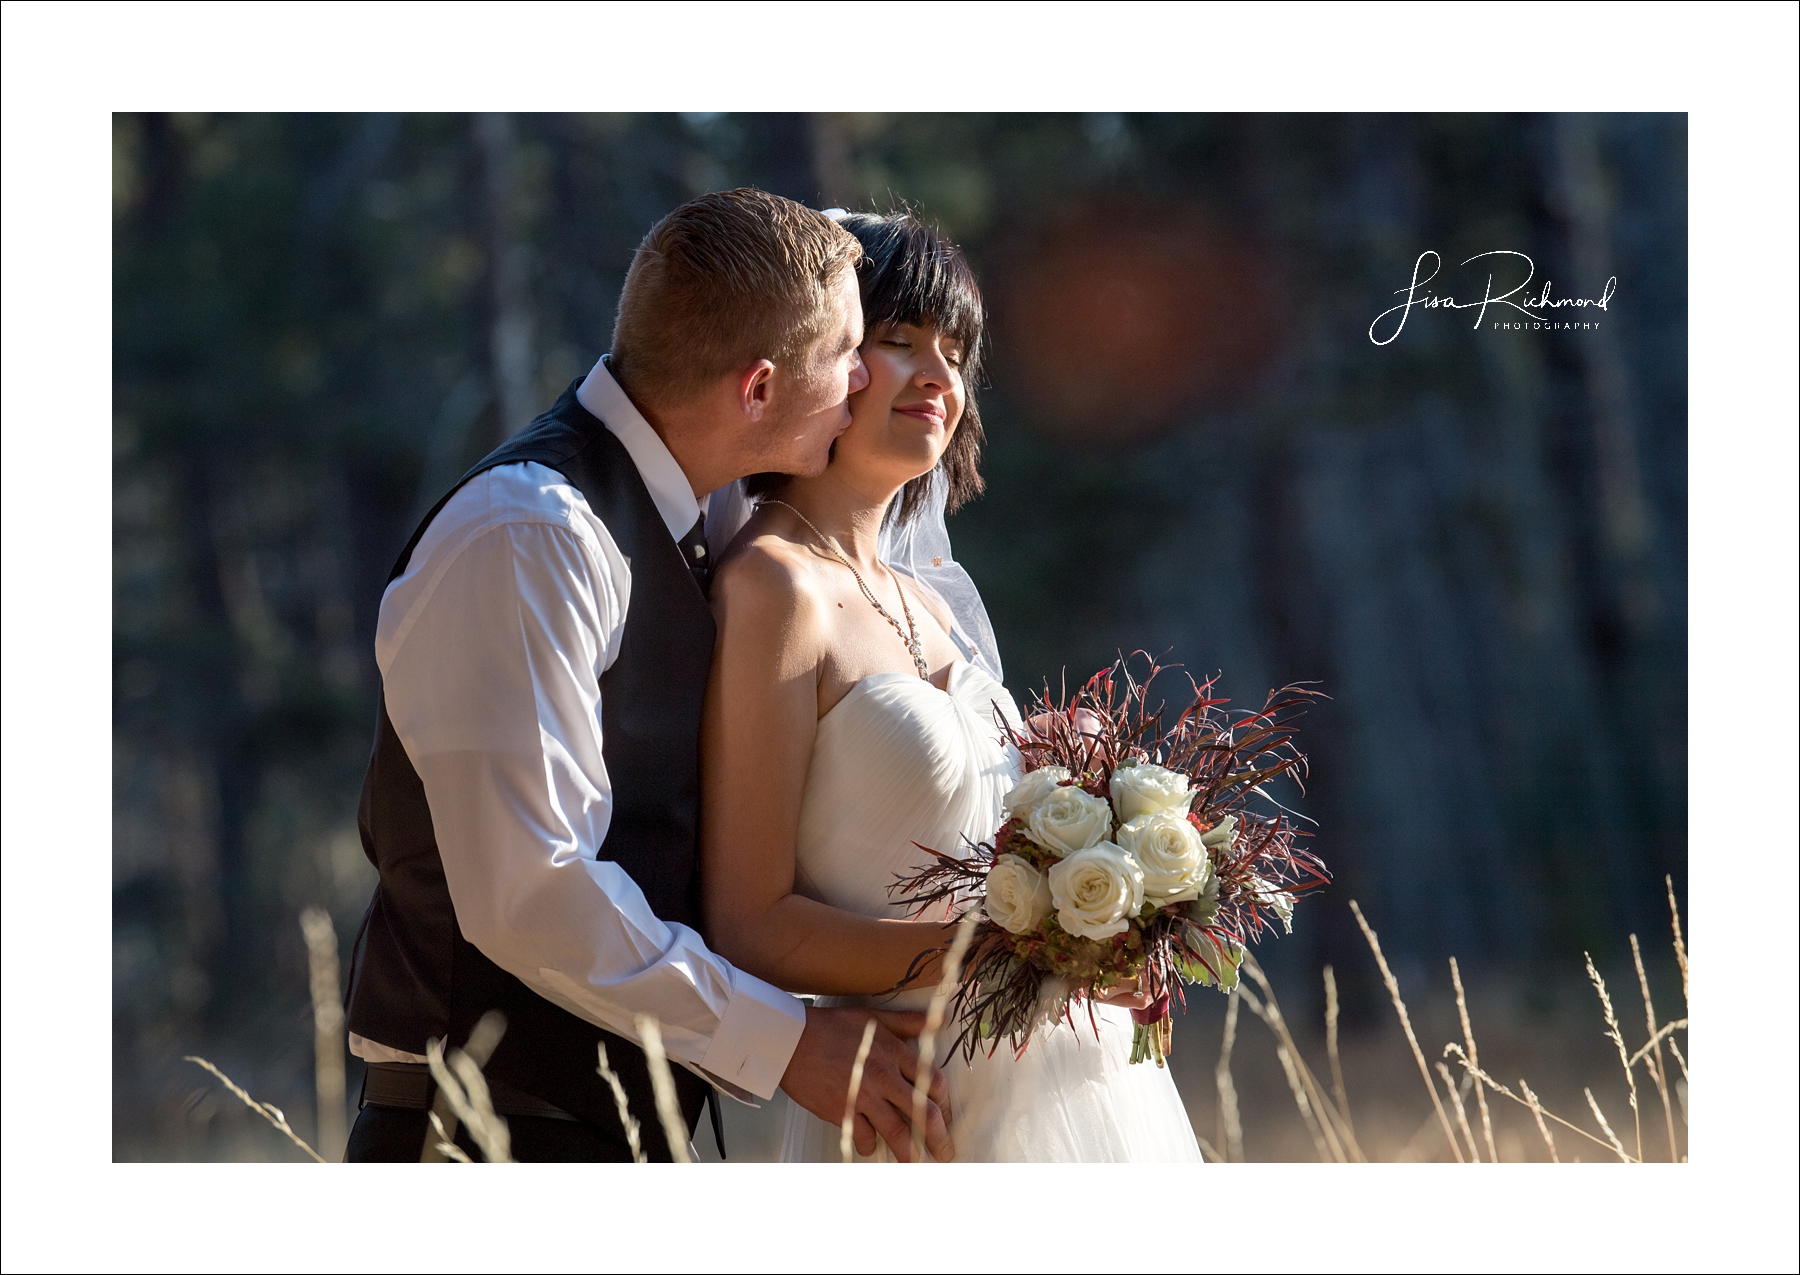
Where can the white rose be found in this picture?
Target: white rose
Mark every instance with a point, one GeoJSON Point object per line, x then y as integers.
{"type": "Point", "coordinates": [1033, 788]}
{"type": "Point", "coordinates": [1218, 837]}
{"type": "Point", "coordinates": [1097, 891]}
{"type": "Point", "coordinates": [1145, 789]}
{"type": "Point", "coordinates": [1167, 846]}
{"type": "Point", "coordinates": [1018, 897]}
{"type": "Point", "coordinates": [1068, 819]}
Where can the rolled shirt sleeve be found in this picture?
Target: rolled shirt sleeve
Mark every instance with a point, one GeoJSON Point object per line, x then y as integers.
{"type": "Point", "coordinates": [491, 648]}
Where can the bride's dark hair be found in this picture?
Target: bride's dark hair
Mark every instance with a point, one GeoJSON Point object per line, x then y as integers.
{"type": "Point", "coordinates": [911, 274]}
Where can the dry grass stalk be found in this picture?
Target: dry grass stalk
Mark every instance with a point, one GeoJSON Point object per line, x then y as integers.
{"type": "Point", "coordinates": [1462, 1011]}
{"type": "Point", "coordinates": [1207, 1153]}
{"type": "Point", "coordinates": [1422, 1146]}
{"type": "Point", "coordinates": [1612, 1030]}
{"type": "Point", "coordinates": [446, 1148]}
{"type": "Point", "coordinates": [1231, 1129]}
{"type": "Point", "coordinates": [1676, 1050]}
{"type": "Point", "coordinates": [1499, 1088]}
{"type": "Point", "coordinates": [1338, 1094]}
{"type": "Point", "coordinates": [1287, 1066]}
{"type": "Point", "coordinates": [268, 1111]}
{"type": "Point", "coordinates": [1665, 1032]}
{"type": "Point", "coordinates": [1308, 1097]}
{"type": "Point", "coordinates": [1337, 1128]}
{"type": "Point", "coordinates": [1680, 945]}
{"type": "Point", "coordinates": [847, 1131]}
{"type": "Point", "coordinates": [1681, 1087]}
{"type": "Point", "coordinates": [328, 1028]}
{"type": "Point", "coordinates": [1537, 1113]}
{"type": "Point", "coordinates": [1328, 1153]}
{"type": "Point", "coordinates": [1462, 1115]}
{"type": "Point", "coordinates": [477, 1047]}
{"type": "Point", "coordinates": [934, 1019]}
{"type": "Point", "coordinates": [1393, 986]}
{"type": "Point", "coordinates": [461, 1084]}
{"type": "Point", "coordinates": [1654, 1064]}
{"type": "Point", "coordinates": [668, 1110]}
{"type": "Point", "coordinates": [1617, 1146]}
{"type": "Point", "coordinates": [629, 1121]}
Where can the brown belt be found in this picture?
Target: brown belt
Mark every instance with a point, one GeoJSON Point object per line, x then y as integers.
{"type": "Point", "coordinates": [409, 1087]}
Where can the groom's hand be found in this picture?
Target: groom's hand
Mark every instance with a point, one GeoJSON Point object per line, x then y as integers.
{"type": "Point", "coordinates": [818, 1078]}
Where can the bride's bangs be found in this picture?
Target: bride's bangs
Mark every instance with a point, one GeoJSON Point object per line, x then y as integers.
{"type": "Point", "coordinates": [910, 274]}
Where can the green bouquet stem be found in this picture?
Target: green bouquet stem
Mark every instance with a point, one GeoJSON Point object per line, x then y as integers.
{"type": "Point", "coordinates": [1152, 1041]}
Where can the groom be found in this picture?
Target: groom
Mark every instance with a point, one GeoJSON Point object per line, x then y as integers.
{"type": "Point", "coordinates": [544, 645]}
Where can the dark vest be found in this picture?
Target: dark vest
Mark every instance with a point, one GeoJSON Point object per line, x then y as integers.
{"type": "Point", "coordinates": [414, 976]}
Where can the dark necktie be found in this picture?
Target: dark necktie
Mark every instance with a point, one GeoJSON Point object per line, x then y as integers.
{"type": "Point", "coordinates": [695, 554]}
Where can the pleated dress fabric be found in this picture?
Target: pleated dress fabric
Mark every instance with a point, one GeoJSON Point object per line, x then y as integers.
{"type": "Point", "coordinates": [898, 761]}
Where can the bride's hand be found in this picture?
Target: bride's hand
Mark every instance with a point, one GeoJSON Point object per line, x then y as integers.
{"type": "Point", "coordinates": [1129, 993]}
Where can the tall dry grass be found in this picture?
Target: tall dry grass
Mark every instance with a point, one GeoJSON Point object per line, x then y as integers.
{"type": "Point", "coordinates": [329, 1041]}
{"type": "Point", "coordinates": [847, 1127]}
{"type": "Point", "coordinates": [1329, 1125]}
{"type": "Point", "coordinates": [463, 1099]}
{"type": "Point", "coordinates": [1231, 1125]}
{"type": "Point", "coordinates": [267, 1110]}
{"type": "Point", "coordinates": [633, 1139]}
{"type": "Point", "coordinates": [1393, 987]}
{"type": "Point", "coordinates": [1339, 1095]}
{"type": "Point", "coordinates": [934, 1020]}
{"type": "Point", "coordinates": [1462, 1013]}
{"type": "Point", "coordinates": [1649, 1056]}
{"type": "Point", "coordinates": [1326, 1115]}
{"type": "Point", "coordinates": [662, 1084]}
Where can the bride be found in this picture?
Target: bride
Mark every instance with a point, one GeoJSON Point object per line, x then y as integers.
{"type": "Point", "coordinates": [855, 709]}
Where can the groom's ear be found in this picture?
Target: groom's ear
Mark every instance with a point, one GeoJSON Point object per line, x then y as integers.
{"type": "Point", "coordinates": [755, 389]}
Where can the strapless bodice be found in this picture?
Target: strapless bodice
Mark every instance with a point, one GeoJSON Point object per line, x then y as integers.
{"type": "Point", "coordinates": [897, 761]}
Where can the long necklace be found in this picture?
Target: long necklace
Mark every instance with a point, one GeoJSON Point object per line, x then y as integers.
{"type": "Point", "coordinates": [910, 635]}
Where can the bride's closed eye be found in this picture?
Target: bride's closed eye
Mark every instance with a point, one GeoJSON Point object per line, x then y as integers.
{"type": "Point", "coordinates": [953, 354]}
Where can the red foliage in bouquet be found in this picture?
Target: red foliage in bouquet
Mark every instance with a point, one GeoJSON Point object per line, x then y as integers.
{"type": "Point", "coordinates": [1129, 850]}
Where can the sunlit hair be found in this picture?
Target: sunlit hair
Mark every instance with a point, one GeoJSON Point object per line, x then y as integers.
{"type": "Point", "coordinates": [722, 281]}
{"type": "Point", "coordinates": [911, 274]}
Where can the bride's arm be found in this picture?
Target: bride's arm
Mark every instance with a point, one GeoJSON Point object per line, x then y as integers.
{"type": "Point", "coordinates": [762, 711]}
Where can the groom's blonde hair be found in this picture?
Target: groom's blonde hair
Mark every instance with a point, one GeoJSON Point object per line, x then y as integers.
{"type": "Point", "coordinates": [722, 281]}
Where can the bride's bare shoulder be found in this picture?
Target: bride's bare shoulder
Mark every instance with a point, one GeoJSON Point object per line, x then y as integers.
{"type": "Point", "coordinates": [766, 580]}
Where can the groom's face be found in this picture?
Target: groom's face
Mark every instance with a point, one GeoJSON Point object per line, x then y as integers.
{"type": "Point", "coordinates": [817, 393]}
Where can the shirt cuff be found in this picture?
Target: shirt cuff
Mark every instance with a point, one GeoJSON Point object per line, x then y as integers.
{"type": "Point", "coordinates": [756, 1036]}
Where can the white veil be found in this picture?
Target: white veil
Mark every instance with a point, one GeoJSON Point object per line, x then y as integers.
{"type": "Point", "coordinates": [921, 548]}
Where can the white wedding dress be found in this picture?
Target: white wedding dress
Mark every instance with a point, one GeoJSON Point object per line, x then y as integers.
{"type": "Point", "coordinates": [898, 761]}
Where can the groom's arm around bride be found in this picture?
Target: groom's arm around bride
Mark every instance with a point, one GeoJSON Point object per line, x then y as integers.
{"type": "Point", "coordinates": [532, 801]}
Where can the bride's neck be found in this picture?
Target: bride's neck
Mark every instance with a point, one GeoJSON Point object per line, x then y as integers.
{"type": "Point", "coordinates": [850, 513]}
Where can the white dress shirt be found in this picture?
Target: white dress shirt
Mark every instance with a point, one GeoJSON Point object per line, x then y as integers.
{"type": "Point", "coordinates": [491, 646]}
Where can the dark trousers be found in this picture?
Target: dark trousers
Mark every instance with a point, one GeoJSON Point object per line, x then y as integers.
{"type": "Point", "coordinates": [394, 1135]}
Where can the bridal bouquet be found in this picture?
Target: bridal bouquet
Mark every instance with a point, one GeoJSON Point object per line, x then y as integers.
{"type": "Point", "coordinates": [1129, 851]}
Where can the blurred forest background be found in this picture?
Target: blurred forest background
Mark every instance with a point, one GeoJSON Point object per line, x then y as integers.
{"type": "Point", "coordinates": [1474, 539]}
